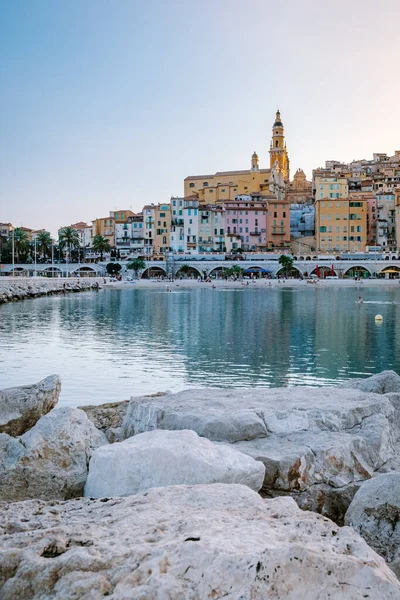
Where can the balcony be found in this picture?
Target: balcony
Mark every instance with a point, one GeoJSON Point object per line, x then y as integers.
{"type": "Point", "coordinates": [282, 232]}
{"type": "Point", "coordinates": [257, 233]}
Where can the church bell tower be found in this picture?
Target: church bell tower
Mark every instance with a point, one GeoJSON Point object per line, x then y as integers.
{"type": "Point", "coordinates": [278, 151]}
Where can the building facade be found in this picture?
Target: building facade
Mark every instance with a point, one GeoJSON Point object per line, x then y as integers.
{"type": "Point", "coordinates": [341, 224]}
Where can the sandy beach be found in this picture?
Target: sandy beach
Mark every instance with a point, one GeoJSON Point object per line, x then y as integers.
{"type": "Point", "coordinates": [250, 284]}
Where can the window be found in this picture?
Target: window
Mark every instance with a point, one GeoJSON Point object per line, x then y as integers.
{"type": "Point", "coordinates": [162, 215]}
{"type": "Point", "coordinates": [322, 229]}
{"type": "Point", "coordinates": [275, 214]}
{"type": "Point", "coordinates": [191, 185]}
{"type": "Point", "coordinates": [284, 214]}
{"type": "Point", "coordinates": [205, 183]}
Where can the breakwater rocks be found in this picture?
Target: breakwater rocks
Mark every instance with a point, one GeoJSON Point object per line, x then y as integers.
{"type": "Point", "coordinates": [177, 513]}
{"type": "Point", "coordinates": [21, 289]}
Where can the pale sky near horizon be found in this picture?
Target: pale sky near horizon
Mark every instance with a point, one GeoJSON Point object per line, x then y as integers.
{"type": "Point", "coordinates": [109, 104]}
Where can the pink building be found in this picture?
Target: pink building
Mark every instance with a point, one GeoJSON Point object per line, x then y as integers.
{"type": "Point", "coordinates": [246, 216]}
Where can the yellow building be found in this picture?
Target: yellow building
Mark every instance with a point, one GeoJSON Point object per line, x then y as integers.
{"type": "Point", "coordinates": [105, 228]}
{"type": "Point", "coordinates": [226, 185]}
{"type": "Point", "coordinates": [331, 187]}
{"type": "Point", "coordinates": [341, 224]}
{"type": "Point", "coordinates": [157, 229]}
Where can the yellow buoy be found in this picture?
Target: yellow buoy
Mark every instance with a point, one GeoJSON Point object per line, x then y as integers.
{"type": "Point", "coordinates": [378, 318]}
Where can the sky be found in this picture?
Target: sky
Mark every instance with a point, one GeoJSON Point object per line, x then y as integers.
{"type": "Point", "coordinates": [110, 104]}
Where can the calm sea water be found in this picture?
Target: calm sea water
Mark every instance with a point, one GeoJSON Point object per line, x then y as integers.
{"type": "Point", "coordinates": [110, 345]}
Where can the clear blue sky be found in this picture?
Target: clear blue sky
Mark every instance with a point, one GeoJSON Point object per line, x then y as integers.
{"type": "Point", "coordinates": [109, 104]}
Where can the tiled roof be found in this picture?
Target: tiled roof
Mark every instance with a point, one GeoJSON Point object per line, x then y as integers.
{"type": "Point", "coordinates": [223, 173]}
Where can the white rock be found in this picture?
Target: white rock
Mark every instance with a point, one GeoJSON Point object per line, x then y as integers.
{"type": "Point", "coordinates": [21, 407]}
{"type": "Point", "coordinates": [317, 444]}
{"type": "Point", "coordinates": [195, 543]}
{"type": "Point", "coordinates": [51, 460]}
{"type": "Point", "coordinates": [381, 383]}
{"type": "Point", "coordinates": [163, 458]}
{"type": "Point", "coordinates": [374, 514]}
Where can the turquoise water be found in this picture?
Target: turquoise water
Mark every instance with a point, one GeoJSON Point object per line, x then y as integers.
{"type": "Point", "coordinates": [111, 345]}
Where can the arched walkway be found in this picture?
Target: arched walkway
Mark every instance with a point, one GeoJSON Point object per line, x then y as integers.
{"type": "Point", "coordinates": [153, 273]}
{"type": "Point", "coordinates": [19, 271]}
{"type": "Point", "coordinates": [323, 271]}
{"type": "Point", "coordinates": [85, 271]}
{"type": "Point", "coordinates": [391, 272]}
{"type": "Point", "coordinates": [357, 271]}
{"type": "Point", "coordinates": [50, 271]}
{"type": "Point", "coordinates": [188, 272]}
{"type": "Point", "coordinates": [256, 271]}
{"type": "Point", "coordinates": [294, 273]}
{"type": "Point", "coordinates": [218, 272]}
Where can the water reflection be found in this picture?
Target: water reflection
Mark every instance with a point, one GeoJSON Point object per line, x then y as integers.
{"type": "Point", "coordinates": [118, 343]}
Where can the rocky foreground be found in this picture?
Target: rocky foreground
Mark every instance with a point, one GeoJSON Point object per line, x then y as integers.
{"type": "Point", "coordinates": [14, 289]}
{"type": "Point", "coordinates": [171, 508]}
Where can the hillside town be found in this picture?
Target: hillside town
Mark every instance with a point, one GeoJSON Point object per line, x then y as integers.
{"type": "Point", "coordinates": [346, 208]}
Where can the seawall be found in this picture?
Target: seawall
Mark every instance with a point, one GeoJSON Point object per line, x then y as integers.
{"type": "Point", "coordinates": [12, 289]}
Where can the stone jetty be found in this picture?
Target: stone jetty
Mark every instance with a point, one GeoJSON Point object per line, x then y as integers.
{"type": "Point", "coordinates": [156, 497]}
{"type": "Point", "coordinates": [12, 289]}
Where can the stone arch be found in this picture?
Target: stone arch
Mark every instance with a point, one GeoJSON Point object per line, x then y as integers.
{"type": "Point", "coordinates": [357, 271]}
{"type": "Point", "coordinates": [51, 271]}
{"type": "Point", "coordinates": [218, 272]}
{"type": "Point", "coordinates": [390, 272]}
{"type": "Point", "coordinates": [294, 272]}
{"type": "Point", "coordinates": [301, 258]}
{"type": "Point", "coordinates": [195, 272]}
{"type": "Point", "coordinates": [308, 257]}
{"type": "Point", "coordinates": [387, 257]}
{"type": "Point", "coordinates": [153, 272]}
{"type": "Point", "coordinates": [85, 271]}
{"type": "Point", "coordinates": [256, 270]}
{"type": "Point", "coordinates": [324, 271]}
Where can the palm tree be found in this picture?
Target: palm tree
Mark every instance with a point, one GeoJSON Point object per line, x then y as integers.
{"type": "Point", "coordinates": [101, 244]}
{"type": "Point", "coordinates": [137, 264]}
{"type": "Point", "coordinates": [68, 238]}
{"type": "Point", "coordinates": [286, 262]}
{"type": "Point", "coordinates": [43, 243]}
{"type": "Point", "coordinates": [186, 270]}
{"type": "Point", "coordinates": [235, 271]}
{"type": "Point", "coordinates": [21, 243]}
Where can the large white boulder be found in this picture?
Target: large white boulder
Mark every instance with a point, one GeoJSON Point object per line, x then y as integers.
{"type": "Point", "coordinates": [51, 460]}
{"type": "Point", "coordinates": [381, 383]}
{"type": "Point", "coordinates": [163, 458]}
{"type": "Point", "coordinates": [21, 407]}
{"type": "Point", "coordinates": [375, 514]}
{"type": "Point", "coordinates": [317, 444]}
{"type": "Point", "coordinates": [200, 543]}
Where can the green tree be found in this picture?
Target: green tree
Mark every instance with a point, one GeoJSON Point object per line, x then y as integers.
{"type": "Point", "coordinates": [286, 263]}
{"type": "Point", "coordinates": [68, 239]}
{"type": "Point", "coordinates": [137, 264]}
{"type": "Point", "coordinates": [113, 268]}
{"type": "Point", "coordinates": [101, 244]}
{"type": "Point", "coordinates": [43, 243]}
{"type": "Point", "coordinates": [235, 271]}
{"type": "Point", "coordinates": [21, 244]}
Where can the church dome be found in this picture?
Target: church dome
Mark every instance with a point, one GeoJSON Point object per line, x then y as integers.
{"type": "Point", "coordinates": [255, 155]}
